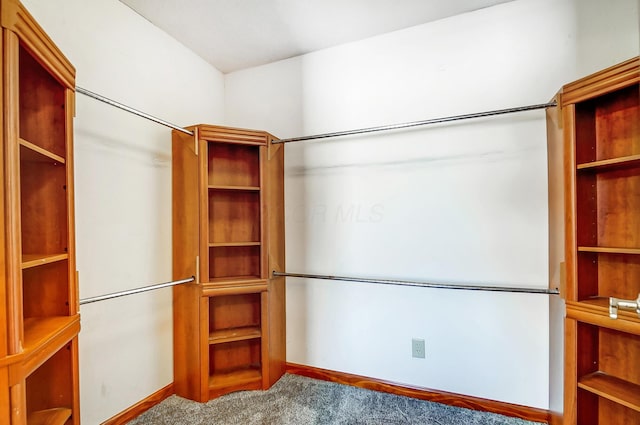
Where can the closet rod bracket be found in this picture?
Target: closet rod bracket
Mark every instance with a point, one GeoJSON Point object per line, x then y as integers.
{"type": "Point", "coordinates": [616, 303]}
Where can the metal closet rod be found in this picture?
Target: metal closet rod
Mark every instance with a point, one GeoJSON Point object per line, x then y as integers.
{"type": "Point", "coordinates": [135, 291]}
{"type": "Point", "coordinates": [419, 123]}
{"type": "Point", "coordinates": [131, 110]}
{"type": "Point", "coordinates": [328, 135]}
{"type": "Point", "coordinates": [544, 291]}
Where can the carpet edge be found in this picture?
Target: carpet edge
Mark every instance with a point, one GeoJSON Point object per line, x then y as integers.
{"type": "Point", "coordinates": [452, 399]}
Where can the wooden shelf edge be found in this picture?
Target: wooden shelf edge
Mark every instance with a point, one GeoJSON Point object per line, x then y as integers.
{"type": "Point", "coordinates": [595, 313]}
{"type": "Point", "coordinates": [35, 260]}
{"type": "Point", "coordinates": [238, 188]}
{"type": "Point", "coordinates": [236, 280]}
{"type": "Point", "coordinates": [609, 250]}
{"type": "Point", "coordinates": [238, 377]}
{"type": "Point", "coordinates": [612, 388]}
{"type": "Point", "coordinates": [235, 334]}
{"type": "Point", "coordinates": [233, 287]}
{"type": "Point", "coordinates": [39, 331]}
{"type": "Point", "coordinates": [232, 244]}
{"type": "Point", "coordinates": [55, 416]}
{"type": "Point", "coordinates": [41, 151]}
{"type": "Point", "coordinates": [610, 163]}
{"type": "Point", "coordinates": [43, 338]}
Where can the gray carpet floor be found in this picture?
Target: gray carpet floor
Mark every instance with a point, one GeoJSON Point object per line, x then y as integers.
{"type": "Point", "coordinates": [296, 400]}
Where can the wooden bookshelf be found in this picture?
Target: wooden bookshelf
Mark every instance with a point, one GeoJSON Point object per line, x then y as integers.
{"type": "Point", "coordinates": [601, 124]}
{"type": "Point", "coordinates": [42, 321]}
{"type": "Point", "coordinates": [225, 215]}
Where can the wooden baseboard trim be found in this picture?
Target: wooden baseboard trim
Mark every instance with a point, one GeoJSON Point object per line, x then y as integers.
{"type": "Point", "coordinates": [452, 399]}
{"type": "Point", "coordinates": [140, 407]}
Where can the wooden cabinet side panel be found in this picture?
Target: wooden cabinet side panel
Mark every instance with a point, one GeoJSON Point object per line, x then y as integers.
{"type": "Point", "coordinates": [12, 191]}
{"type": "Point", "coordinates": [74, 298]}
{"type": "Point", "coordinates": [185, 223]}
{"type": "Point", "coordinates": [570, 372]}
{"type": "Point", "coordinates": [185, 205]}
{"type": "Point", "coordinates": [186, 354]}
{"type": "Point", "coordinates": [570, 224]}
{"type": "Point", "coordinates": [276, 261]}
{"type": "Point", "coordinates": [555, 169]}
{"type": "Point", "coordinates": [5, 401]}
{"type": "Point", "coordinates": [3, 268]}
{"type": "Point", "coordinates": [203, 206]}
{"type": "Point", "coordinates": [18, 401]}
{"type": "Point", "coordinates": [75, 379]}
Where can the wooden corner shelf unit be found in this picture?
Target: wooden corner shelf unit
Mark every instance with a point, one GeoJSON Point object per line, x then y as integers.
{"type": "Point", "coordinates": [228, 232]}
{"type": "Point", "coordinates": [39, 317]}
{"type": "Point", "coordinates": [601, 126]}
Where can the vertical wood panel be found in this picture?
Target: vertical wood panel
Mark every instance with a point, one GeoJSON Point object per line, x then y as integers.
{"type": "Point", "coordinates": [185, 231]}
{"type": "Point", "coordinates": [276, 262]}
{"type": "Point", "coordinates": [12, 191]}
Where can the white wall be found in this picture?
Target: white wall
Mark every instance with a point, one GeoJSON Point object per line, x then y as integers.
{"type": "Point", "coordinates": [461, 203]}
{"type": "Point", "coordinates": [123, 189]}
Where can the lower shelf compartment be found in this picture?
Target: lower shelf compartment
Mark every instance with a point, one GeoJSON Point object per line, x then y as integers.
{"type": "Point", "coordinates": [596, 410]}
{"type": "Point", "coordinates": [612, 388]}
{"type": "Point", "coordinates": [235, 378]}
{"type": "Point", "coordinates": [56, 416]}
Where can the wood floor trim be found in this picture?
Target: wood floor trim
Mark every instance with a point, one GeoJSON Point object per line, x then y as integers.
{"type": "Point", "coordinates": [140, 407]}
{"type": "Point", "coordinates": [452, 399]}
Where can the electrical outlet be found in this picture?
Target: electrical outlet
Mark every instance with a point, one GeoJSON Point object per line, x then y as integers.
{"type": "Point", "coordinates": [417, 348]}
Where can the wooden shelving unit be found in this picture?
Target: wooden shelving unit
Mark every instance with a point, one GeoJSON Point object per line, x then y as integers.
{"type": "Point", "coordinates": [601, 119]}
{"type": "Point", "coordinates": [39, 280]}
{"type": "Point", "coordinates": [228, 231]}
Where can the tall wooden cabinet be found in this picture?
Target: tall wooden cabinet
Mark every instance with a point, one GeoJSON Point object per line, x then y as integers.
{"type": "Point", "coordinates": [228, 232]}
{"type": "Point", "coordinates": [601, 127]}
{"type": "Point", "coordinates": [39, 298]}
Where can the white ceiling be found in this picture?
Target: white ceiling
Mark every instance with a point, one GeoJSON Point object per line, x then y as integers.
{"type": "Point", "coordinates": [238, 34]}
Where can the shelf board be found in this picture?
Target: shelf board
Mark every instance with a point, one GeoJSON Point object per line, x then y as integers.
{"type": "Point", "coordinates": [228, 244]}
{"type": "Point", "coordinates": [57, 416]}
{"type": "Point", "coordinates": [235, 280]}
{"type": "Point", "coordinates": [31, 152]}
{"type": "Point", "coordinates": [612, 388]}
{"type": "Point", "coordinates": [609, 250]}
{"type": "Point", "coordinates": [37, 330]}
{"type": "Point", "coordinates": [236, 377]}
{"type": "Point", "coordinates": [34, 260]}
{"type": "Point", "coordinates": [241, 188]}
{"type": "Point", "coordinates": [234, 334]}
{"type": "Point", "coordinates": [624, 161]}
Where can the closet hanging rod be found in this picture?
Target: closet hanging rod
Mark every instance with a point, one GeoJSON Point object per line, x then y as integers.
{"type": "Point", "coordinates": [131, 110]}
{"type": "Point", "coordinates": [419, 123]}
{"type": "Point", "coordinates": [544, 291]}
{"type": "Point", "coordinates": [135, 291]}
